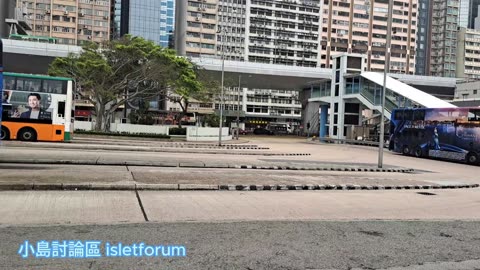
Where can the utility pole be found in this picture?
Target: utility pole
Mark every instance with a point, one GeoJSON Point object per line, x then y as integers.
{"type": "Point", "coordinates": [385, 71]}
{"type": "Point", "coordinates": [222, 31]}
{"type": "Point", "coordinates": [238, 105]}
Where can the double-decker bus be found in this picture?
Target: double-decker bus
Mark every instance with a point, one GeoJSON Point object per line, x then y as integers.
{"type": "Point", "coordinates": [36, 108]}
{"type": "Point", "coordinates": [1, 80]}
{"type": "Point", "coordinates": [445, 133]}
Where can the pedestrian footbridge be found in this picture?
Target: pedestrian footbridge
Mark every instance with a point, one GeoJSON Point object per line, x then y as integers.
{"type": "Point", "coordinates": [344, 98]}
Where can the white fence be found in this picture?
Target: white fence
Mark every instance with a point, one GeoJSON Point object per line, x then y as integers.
{"type": "Point", "coordinates": [83, 125]}
{"type": "Point", "coordinates": [127, 128]}
{"type": "Point", "coordinates": [130, 128]}
{"type": "Point", "coordinates": [207, 134]}
{"type": "Point", "coordinates": [193, 133]}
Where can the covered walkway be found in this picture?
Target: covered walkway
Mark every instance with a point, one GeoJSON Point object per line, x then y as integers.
{"type": "Point", "coordinates": [352, 90]}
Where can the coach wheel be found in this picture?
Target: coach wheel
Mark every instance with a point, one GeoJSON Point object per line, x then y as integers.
{"type": "Point", "coordinates": [27, 134]}
{"type": "Point", "coordinates": [472, 158]}
{"type": "Point", "coordinates": [406, 150]}
{"type": "Point", "coordinates": [4, 134]}
{"type": "Point", "coordinates": [418, 152]}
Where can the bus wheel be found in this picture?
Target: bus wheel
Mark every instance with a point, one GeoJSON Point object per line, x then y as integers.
{"type": "Point", "coordinates": [27, 134]}
{"type": "Point", "coordinates": [472, 158]}
{"type": "Point", "coordinates": [418, 152]}
{"type": "Point", "coordinates": [406, 150]}
{"type": "Point", "coordinates": [4, 134]}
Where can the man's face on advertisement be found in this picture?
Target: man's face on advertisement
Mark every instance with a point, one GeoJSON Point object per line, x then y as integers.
{"type": "Point", "coordinates": [34, 102]}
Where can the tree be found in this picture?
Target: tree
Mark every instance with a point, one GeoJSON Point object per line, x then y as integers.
{"type": "Point", "coordinates": [193, 84]}
{"type": "Point", "coordinates": [118, 71]}
{"type": "Point", "coordinates": [141, 115]}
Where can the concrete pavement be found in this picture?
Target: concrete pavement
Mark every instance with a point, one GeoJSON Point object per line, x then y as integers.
{"type": "Point", "coordinates": [87, 207]}
{"type": "Point", "coordinates": [58, 177]}
{"type": "Point", "coordinates": [327, 164]}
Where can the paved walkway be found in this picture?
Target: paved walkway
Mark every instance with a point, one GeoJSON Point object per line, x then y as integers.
{"type": "Point", "coordinates": [107, 207]}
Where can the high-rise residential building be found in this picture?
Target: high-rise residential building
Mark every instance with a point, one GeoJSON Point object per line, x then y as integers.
{"type": "Point", "coordinates": [443, 32]}
{"type": "Point", "coordinates": [297, 32]}
{"type": "Point", "coordinates": [70, 22]}
{"type": "Point", "coordinates": [468, 14]}
{"type": "Point", "coordinates": [196, 28]}
{"type": "Point", "coordinates": [422, 59]}
{"type": "Point", "coordinates": [468, 54]}
{"type": "Point", "coordinates": [150, 19]}
{"type": "Point", "coordinates": [360, 26]}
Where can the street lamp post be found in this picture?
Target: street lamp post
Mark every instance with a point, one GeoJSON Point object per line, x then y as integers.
{"type": "Point", "coordinates": [384, 91]}
{"type": "Point", "coordinates": [238, 105]}
{"type": "Point", "coordinates": [221, 95]}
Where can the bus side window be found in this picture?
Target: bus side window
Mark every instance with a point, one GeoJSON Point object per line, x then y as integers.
{"type": "Point", "coordinates": [398, 115]}
{"type": "Point", "coordinates": [408, 115]}
{"type": "Point", "coordinates": [61, 109]}
{"type": "Point", "coordinates": [8, 83]}
{"type": "Point", "coordinates": [418, 115]}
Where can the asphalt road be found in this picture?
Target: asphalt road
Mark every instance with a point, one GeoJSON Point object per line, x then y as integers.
{"type": "Point", "coordinates": [265, 245]}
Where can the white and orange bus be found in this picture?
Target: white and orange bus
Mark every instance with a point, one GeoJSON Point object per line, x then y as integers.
{"type": "Point", "coordinates": [36, 108]}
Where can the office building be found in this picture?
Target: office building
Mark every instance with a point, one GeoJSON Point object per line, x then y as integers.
{"type": "Point", "coordinates": [422, 58]}
{"type": "Point", "coordinates": [150, 19]}
{"type": "Point", "coordinates": [468, 14]}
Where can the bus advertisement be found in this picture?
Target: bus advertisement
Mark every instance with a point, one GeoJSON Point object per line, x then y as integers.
{"type": "Point", "coordinates": [1, 81]}
{"type": "Point", "coordinates": [444, 133]}
{"type": "Point", "coordinates": [36, 108]}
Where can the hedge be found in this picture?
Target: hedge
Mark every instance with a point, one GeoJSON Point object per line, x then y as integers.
{"type": "Point", "coordinates": [177, 131]}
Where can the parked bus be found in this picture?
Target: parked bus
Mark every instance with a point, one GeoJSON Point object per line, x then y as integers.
{"type": "Point", "coordinates": [36, 108]}
{"type": "Point", "coordinates": [445, 133]}
{"type": "Point", "coordinates": [1, 81]}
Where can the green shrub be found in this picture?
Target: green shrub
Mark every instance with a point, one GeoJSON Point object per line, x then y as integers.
{"type": "Point", "coordinates": [177, 131]}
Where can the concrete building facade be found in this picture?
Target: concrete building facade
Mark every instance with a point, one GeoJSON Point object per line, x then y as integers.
{"type": "Point", "coordinates": [7, 9]}
{"type": "Point", "coordinates": [297, 33]}
{"type": "Point", "coordinates": [443, 32]}
{"type": "Point", "coordinates": [468, 54]}
{"type": "Point", "coordinates": [423, 38]}
{"type": "Point", "coordinates": [70, 22]}
{"type": "Point", "coordinates": [361, 27]}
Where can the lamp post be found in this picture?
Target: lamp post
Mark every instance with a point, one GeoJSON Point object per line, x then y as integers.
{"type": "Point", "coordinates": [222, 31]}
{"type": "Point", "coordinates": [384, 91]}
{"type": "Point", "coordinates": [238, 105]}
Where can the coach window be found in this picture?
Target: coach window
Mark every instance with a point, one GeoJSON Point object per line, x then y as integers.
{"type": "Point", "coordinates": [32, 85]}
{"type": "Point", "coordinates": [418, 115]}
{"type": "Point", "coordinates": [19, 85]}
{"type": "Point", "coordinates": [8, 83]}
{"type": "Point", "coordinates": [408, 115]}
{"type": "Point", "coordinates": [54, 87]}
{"type": "Point", "coordinates": [398, 115]}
